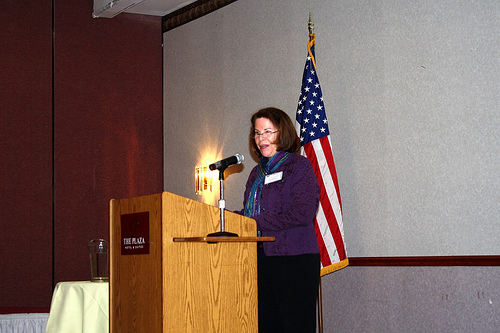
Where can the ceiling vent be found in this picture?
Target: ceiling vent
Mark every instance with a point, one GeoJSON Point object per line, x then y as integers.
{"type": "Point", "coordinates": [111, 8]}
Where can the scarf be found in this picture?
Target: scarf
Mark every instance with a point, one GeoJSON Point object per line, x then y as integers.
{"type": "Point", "coordinates": [265, 167]}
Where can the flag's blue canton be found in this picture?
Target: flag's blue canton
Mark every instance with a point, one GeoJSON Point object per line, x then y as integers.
{"type": "Point", "coordinates": [311, 111]}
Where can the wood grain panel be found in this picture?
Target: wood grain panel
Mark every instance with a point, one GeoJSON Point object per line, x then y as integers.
{"type": "Point", "coordinates": [215, 284]}
{"type": "Point", "coordinates": [183, 286]}
{"type": "Point", "coordinates": [135, 280]}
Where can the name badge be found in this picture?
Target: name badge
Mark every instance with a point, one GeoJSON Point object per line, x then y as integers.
{"type": "Point", "coordinates": [274, 177]}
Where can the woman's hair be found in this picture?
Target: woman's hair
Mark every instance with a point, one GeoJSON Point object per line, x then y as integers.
{"type": "Point", "coordinates": [286, 138]}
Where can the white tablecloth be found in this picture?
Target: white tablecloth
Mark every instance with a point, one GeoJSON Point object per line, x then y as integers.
{"type": "Point", "coordinates": [23, 323]}
{"type": "Point", "coordinates": [79, 307]}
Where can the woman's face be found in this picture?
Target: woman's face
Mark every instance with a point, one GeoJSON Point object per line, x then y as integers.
{"type": "Point", "coordinates": [265, 136]}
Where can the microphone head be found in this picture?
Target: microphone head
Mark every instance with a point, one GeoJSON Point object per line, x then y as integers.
{"type": "Point", "coordinates": [239, 158]}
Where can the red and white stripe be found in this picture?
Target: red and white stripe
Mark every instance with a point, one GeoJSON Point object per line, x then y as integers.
{"type": "Point", "coordinates": [328, 222]}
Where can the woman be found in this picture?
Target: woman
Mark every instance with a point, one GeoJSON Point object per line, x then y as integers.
{"type": "Point", "coordinates": [282, 195]}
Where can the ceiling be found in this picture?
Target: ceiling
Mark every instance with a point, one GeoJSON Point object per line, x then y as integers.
{"type": "Point", "coordinates": [158, 7]}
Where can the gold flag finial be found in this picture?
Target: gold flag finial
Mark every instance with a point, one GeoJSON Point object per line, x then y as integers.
{"type": "Point", "coordinates": [311, 24]}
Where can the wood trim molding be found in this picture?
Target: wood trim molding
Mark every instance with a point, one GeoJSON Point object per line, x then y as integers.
{"type": "Point", "coordinates": [491, 260]}
{"type": "Point", "coordinates": [191, 12]}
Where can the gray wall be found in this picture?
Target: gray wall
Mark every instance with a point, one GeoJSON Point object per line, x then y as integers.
{"type": "Point", "coordinates": [412, 299]}
{"type": "Point", "coordinates": [411, 91]}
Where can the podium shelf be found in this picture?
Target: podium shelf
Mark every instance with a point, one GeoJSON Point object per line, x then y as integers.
{"type": "Point", "coordinates": [205, 239]}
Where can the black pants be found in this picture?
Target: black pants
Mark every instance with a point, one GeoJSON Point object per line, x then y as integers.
{"type": "Point", "coordinates": [288, 289]}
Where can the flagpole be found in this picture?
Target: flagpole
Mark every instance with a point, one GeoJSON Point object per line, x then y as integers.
{"type": "Point", "coordinates": [310, 26]}
{"type": "Point", "coordinates": [320, 309]}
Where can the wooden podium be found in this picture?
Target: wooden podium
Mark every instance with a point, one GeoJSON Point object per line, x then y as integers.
{"type": "Point", "coordinates": [167, 276]}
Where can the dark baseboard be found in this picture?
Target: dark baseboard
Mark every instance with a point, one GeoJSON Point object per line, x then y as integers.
{"type": "Point", "coordinates": [488, 260]}
{"type": "Point", "coordinates": [12, 310]}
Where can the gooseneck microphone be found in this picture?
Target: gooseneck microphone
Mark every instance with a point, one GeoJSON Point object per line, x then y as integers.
{"type": "Point", "coordinates": [223, 164]}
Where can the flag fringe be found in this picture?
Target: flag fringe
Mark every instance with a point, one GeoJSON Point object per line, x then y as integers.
{"type": "Point", "coordinates": [334, 267]}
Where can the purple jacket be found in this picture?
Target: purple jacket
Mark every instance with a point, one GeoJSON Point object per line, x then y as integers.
{"type": "Point", "coordinates": [288, 208]}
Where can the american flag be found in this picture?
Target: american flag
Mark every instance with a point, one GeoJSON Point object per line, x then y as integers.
{"type": "Point", "coordinates": [312, 127]}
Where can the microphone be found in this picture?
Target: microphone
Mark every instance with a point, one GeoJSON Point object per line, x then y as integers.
{"type": "Point", "coordinates": [222, 164]}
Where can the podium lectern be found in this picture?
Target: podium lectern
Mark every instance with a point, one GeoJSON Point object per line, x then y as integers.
{"type": "Point", "coordinates": [167, 276]}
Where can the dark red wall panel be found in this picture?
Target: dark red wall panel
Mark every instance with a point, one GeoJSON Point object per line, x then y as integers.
{"type": "Point", "coordinates": [81, 123]}
{"type": "Point", "coordinates": [108, 123]}
{"type": "Point", "coordinates": [25, 153]}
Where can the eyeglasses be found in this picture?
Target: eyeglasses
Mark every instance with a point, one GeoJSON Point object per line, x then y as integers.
{"type": "Point", "coordinates": [265, 134]}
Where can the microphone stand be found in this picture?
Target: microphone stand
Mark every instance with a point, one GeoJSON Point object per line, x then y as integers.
{"type": "Point", "coordinates": [222, 207]}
